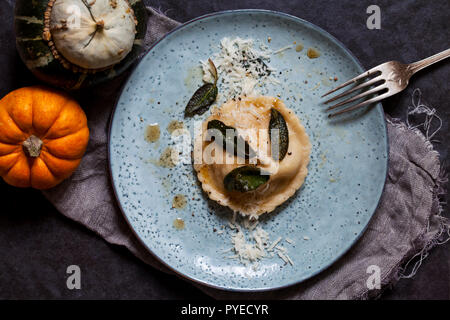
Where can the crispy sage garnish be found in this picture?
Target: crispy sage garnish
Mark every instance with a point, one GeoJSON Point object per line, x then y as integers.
{"type": "Point", "coordinates": [244, 179]}
{"type": "Point", "coordinates": [232, 139]}
{"type": "Point", "coordinates": [278, 125]}
{"type": "Point", "coordinates": [204, 97]}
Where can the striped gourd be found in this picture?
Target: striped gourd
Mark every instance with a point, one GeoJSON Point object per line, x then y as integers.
{"type": "Point", "coordinates": [41, 56]}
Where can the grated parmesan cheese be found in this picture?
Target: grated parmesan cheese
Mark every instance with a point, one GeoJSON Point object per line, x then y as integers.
{"type": "Point", "coordinates": [290, 241]}
{"type": "Point", "coordinates": [283, 49]}
{"type": "Point", "coordinates": [241, 67]}
{"type": "Point", "coordinates": [283, 257]}
{"type": "Point", "coordinates": [246, 251]}
{"type": "Point", "coordinates": [274, 244]}
{"type": "Point", "coordinates": [251, 244]}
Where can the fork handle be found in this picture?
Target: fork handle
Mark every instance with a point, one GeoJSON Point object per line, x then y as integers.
{"type": "Point", "coordinates": [419, 65]}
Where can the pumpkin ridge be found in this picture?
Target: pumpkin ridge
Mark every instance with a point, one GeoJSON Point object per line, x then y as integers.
{"type": "Point", "coordinates": [17, 144]}
{"type": "Point", "coordinates": [45, 149]}
{"type": "Point", "coordinates": [66, 102]}
{"type": "Point", "coordinates": [19, 128]}
{"type": "Point", "coordinates": [34, 130]}
{"type": "Point", "coordinates": [14, 162]}
{"type": "Point", "coordinates": [48, 167]}
{"type": "Point", "coordinates": [59, 176]}
{"type": "Point", "coordinates": [9, 112]}
{"type": "Point", "coordinates": [14, 122]}
{"type": "Point", "coordinates": [30, 163]}
{"type": "Point", "coordinates": [44, 135]}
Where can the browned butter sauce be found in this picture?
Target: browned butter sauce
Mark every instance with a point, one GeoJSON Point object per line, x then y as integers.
{"type": "Point", "coordinates": [175, 125]}
{"type": "Point", "coordinates": [313, 53]}
{"type": "Point", "coordinates": [179, 201]}
{"type": "Point", "coordinates": [169, 158]}
{"type": "Point", "coordinates": [178, 223]}
{"type": "Point", "coordinates": [152, 133]}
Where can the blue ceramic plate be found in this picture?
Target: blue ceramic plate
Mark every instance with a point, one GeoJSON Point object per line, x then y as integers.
{"type": "Point", "coordinates": [346, 173]}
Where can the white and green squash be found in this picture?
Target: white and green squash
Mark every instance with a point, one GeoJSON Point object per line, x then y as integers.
{"type": "Point", "coordinates": [75, 44]}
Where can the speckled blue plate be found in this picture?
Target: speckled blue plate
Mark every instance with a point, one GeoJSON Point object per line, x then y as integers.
{"type": "Point", "coordinates": [346, 173]}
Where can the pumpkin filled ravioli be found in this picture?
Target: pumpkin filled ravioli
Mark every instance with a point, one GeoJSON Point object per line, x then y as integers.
{"type": "Point", "coordinates": [252, 154]}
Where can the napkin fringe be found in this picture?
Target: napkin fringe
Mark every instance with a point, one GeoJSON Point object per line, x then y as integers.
{"type": "Point", "coordinates": [410, 264]}
{"type": "Point", "coordinates": [411, 267]}
{"type": "Point", "coordinates": [159, 10]}
{"type": "Point", "coordinates": [408, 267]}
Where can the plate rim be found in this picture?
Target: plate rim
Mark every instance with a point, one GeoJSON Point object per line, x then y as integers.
{"type": "Point", "coordinates": [182, 275]}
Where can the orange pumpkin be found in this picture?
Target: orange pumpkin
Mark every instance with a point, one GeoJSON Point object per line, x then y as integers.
{"type": "Point", "coordinates": [43, 135]}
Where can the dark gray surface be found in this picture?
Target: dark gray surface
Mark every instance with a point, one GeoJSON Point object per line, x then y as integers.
{"type": "Point", "coordinates": [37, 243]}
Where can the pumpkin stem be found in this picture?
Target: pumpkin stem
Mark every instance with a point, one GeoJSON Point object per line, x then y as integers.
{"type": "Point", "coordinates": [32, 146]}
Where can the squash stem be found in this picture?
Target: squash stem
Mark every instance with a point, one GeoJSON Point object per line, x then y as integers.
{"type": "Point", "coordinates": [32, 146]}
{"type": "Point", "coordinates": [99, 27]}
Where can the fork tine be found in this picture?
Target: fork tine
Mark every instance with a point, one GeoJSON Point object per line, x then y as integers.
{"type": "Point", "coordinates": [366, 102]}
{"type": "Point", "coordinates": [358, 96]}
{"type": "Point", "coordinates": [362, 85]}
{"type": "Point", "coordinates": [362, 75]}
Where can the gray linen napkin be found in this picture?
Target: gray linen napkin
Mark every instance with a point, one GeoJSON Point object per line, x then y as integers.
{"type": "Point", "coordinates": [406, 223]}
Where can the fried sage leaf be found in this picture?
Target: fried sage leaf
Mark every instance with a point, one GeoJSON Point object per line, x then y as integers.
{"type": "Point", "coordinates": [204, 97]}
{"type": "Point", "coordinates": [279, 135]}
{"type": "Point", "coordinates": [232, 140]}
{"type": "Point", "coordinates": [244, 179]}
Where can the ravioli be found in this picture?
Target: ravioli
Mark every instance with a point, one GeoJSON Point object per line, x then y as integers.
{"type": "Point", "coordinates": [286, 176]}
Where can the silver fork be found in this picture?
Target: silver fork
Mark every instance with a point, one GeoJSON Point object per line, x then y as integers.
{"type": "Point", "coordinates": [387, 79]}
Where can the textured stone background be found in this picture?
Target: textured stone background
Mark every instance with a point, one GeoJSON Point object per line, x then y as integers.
{"type": "Point", "coordinates": [37, 243]}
